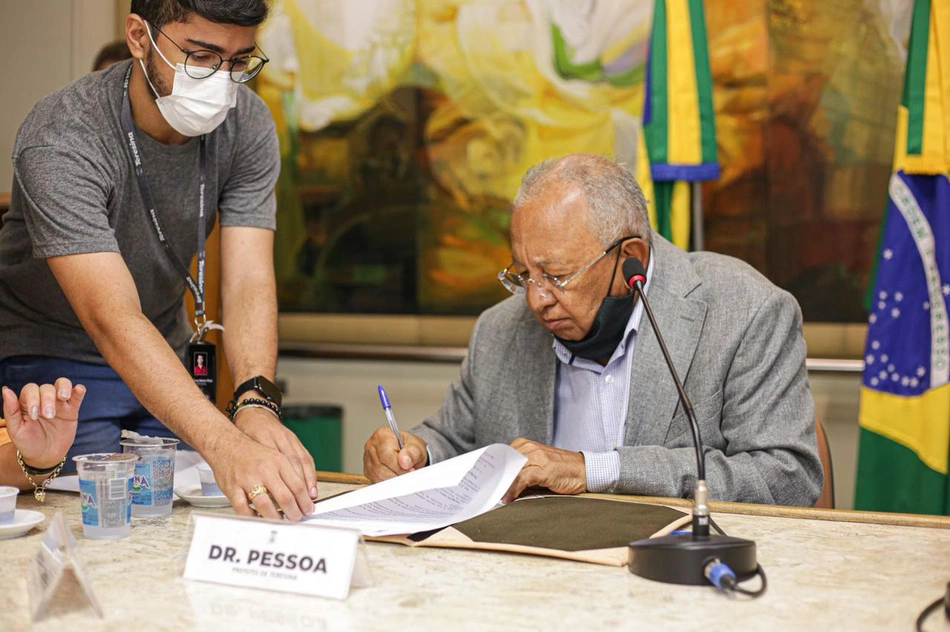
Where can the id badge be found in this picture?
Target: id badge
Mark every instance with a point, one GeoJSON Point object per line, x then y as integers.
{"type": "Point", "coordinates": [202, 363]}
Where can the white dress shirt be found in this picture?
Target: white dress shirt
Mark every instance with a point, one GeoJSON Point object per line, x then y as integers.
{"type": "Point", "coordinates": [591, 401]}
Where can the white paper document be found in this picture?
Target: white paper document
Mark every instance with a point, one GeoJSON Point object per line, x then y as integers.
{"type": "Point", "coordinates": [430, 498]}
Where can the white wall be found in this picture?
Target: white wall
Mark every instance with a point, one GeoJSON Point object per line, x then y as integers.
{"type": "Point", "coordinates": [46, 44]}
{"type": "Point", "coordinates": [836, 405]}
{"type": "Point", "coordinates": [416, 390]}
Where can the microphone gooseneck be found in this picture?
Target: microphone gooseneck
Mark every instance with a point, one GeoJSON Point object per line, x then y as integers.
{"type": "Point", "coordinates": [635, 276]}
{"type": "Point", "coordinates": [696, 558]}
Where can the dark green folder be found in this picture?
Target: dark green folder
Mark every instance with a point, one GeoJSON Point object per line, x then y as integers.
{"type": "Point", "coordinates": [579, 528]}
{"type": "Point", "coordinates": [569, 523]}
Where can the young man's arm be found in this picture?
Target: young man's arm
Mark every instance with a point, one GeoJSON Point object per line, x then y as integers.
{"type": "Point", "coordinates": [249, 297]}
{"type": "Point", "coordinates": [103, 295]}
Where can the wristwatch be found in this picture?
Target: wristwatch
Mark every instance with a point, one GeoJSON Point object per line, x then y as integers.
{"type": "Point", "coordinates": [267, 389]}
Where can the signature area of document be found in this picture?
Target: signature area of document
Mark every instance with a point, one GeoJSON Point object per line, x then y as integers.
{"type": "Point", "coordinates": [430, 498]}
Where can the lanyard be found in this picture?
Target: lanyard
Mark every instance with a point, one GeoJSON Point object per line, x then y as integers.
{"type": "Point", "coordinates": [197, 287]}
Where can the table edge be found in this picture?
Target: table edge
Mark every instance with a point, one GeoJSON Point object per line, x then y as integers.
{"type": "Point", "coordinates": [745, 509]}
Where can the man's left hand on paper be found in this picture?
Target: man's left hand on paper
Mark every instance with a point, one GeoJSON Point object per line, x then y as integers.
{"type": "Point", "coordinates": [560, 471]}
{"type": "Point", "coordinates": [266, 429]}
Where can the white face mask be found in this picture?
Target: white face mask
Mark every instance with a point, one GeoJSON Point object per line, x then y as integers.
{"type": "Point", "coordinates": [195, 106]}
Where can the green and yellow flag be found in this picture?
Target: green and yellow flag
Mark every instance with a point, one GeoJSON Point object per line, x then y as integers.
{"type": "Point", "coordinates": [679, 122]}
{"type": "Point", "coordinates": [905, 396]}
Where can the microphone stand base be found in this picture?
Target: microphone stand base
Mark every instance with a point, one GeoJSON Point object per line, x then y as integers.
{"type": "Point", "coordinates": [680, 559]}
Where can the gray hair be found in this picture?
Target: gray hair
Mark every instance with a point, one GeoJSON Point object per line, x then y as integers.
{"type": "Point", "coordinates": [616, 206]}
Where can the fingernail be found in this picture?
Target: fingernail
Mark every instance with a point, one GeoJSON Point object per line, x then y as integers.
{"type": "Point", "coordinates": [35, 412]}
{"type": "Point", "coordinates": [313, 492]}
{"type": "Point", "coordinates": [49, 412]}
{"type": "Point", "coordinates": [64, 394]}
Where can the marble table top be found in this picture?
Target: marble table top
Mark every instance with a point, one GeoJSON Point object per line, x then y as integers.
{"type": "Point", "coordinates": [822, 575]}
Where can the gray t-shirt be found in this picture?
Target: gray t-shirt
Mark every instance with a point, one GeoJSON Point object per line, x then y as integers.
{"type": "Point", "coordinates": [75, 192]}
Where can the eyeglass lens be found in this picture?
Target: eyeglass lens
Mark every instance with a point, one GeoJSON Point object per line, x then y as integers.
{"type": "Point", "coordinates": [203, 63]}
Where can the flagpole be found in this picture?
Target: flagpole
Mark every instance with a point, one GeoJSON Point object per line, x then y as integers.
{"type": "Point", "coordinates": [697, 201]}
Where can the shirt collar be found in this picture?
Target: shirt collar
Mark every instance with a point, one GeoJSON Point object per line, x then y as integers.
{"type": "Point", "coordinates": [633, 324]}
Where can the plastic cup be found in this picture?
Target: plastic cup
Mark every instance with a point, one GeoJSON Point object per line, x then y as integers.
{"type": "Point", "coordinates": [154, 477]}
{"type": "Point", "coordinates": [209, 486]}
{"type": "Point", "coordinates": [8, 504]}
{"type": "Point", "coordinates": [105, 493]}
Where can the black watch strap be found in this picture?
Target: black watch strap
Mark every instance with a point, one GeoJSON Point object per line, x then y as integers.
{"type": "Point", "coordinates": [264, 387]}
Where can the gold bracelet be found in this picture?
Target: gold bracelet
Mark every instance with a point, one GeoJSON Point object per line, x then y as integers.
{"type": "Point", "coordinates": [39, 491]}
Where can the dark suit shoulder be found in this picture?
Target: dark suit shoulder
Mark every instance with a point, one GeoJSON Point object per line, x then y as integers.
{"type": "Point", "coordinates": [513, 311]}
{"type": "Point", "coordinates": [730, 288]}
{"type": "Point", "coordinates": [509, 325]}
{"type": "Point", "coordinates": [721, 272]}
{"type": "Point", "coordinates": [734, 287]}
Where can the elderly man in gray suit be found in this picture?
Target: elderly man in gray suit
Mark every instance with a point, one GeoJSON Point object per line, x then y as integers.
{"type": "Point", "coordinates": [571, 375]}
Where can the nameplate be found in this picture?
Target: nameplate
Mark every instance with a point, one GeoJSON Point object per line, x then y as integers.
{"type": "Point", "coordinates": [55, 571]}
{"type": "Point", "coordinates": [281, 556]}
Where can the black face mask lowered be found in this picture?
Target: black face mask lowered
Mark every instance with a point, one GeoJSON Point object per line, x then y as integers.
{"type": "Point", "coordinates": [607, 331]}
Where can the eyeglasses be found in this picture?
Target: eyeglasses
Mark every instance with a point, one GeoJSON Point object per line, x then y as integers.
{"type": "Point", "coordinates": [517, 283]}
{"type": "Point", "coordinates": [201, 64]}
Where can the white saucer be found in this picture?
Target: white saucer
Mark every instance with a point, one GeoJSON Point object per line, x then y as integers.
{"type": "Point", "coordinates": [23, 521]}
{"type": "Point", "coordinates": [193, 496]}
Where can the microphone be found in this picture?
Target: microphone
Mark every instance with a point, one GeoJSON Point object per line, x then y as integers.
{"type": "Point", "coordinates": [685, 558]}
{"type": "Point", "coordinates": [636, 277]}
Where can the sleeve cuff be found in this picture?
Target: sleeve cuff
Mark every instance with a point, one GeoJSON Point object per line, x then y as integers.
{"type": "Point", "coordinates": [603, 470]}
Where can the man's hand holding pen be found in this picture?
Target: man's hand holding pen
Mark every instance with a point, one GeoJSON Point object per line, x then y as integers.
{"type": "Point", "coordinates": [382, 458]}
{"type": "Point", "coordinates": [389, 452]}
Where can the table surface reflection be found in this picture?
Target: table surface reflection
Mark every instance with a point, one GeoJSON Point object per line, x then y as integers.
{"type": "Point", "coordinates": [835, 574]}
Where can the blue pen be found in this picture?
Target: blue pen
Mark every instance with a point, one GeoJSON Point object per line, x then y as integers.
{"type": "Point", "coordinates": [390, 417]}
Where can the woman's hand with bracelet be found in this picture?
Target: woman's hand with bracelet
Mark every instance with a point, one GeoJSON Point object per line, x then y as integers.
{"type": "Point", "coordinates": [42, 422]}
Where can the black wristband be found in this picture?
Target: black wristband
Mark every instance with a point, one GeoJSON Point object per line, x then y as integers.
{"type": "Point", "coordinates": [33, 471]}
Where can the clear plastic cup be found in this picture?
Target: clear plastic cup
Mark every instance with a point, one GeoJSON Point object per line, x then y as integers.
{"type": "Point", "coordinates": [154, 477]}
{"type": "Point", "coordinates": [105, 493]}
{"type": "Point", "coordinates": [8, 504]}
{"type": "Point", "coordinates": [209, 486]}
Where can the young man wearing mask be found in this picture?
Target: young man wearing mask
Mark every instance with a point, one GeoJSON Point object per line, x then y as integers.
{"type": "Point", "coordinates": [117, 181]}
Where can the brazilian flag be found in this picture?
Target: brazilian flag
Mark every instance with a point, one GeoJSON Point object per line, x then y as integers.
{"type": "Point", "coordinates": [905, 396]}
{"type": "Point", "coordinates": [679, 122]}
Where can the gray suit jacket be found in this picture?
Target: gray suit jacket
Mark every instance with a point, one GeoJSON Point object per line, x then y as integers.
{"type": "Point", "coordinates": [736, 341]}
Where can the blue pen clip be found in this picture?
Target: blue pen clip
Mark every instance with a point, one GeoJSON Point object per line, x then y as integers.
{"type": "Point", "coordinates": [390, 417]}
{"type": "Point", "coordinates": [383, 398]}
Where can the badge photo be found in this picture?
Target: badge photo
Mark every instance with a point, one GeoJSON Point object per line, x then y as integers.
{"type": "Point", "coordinates": [201, 361]}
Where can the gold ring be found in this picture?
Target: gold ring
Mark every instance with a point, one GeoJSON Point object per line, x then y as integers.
{"type": "Point", "coordinates": [256, 491]}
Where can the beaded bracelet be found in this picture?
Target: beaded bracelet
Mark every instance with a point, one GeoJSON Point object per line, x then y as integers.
{"type": "Point", "coordinates": [253, 402]}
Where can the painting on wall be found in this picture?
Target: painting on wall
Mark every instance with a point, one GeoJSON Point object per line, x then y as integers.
{"type": "Point", "coordinates": [406, 125]}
